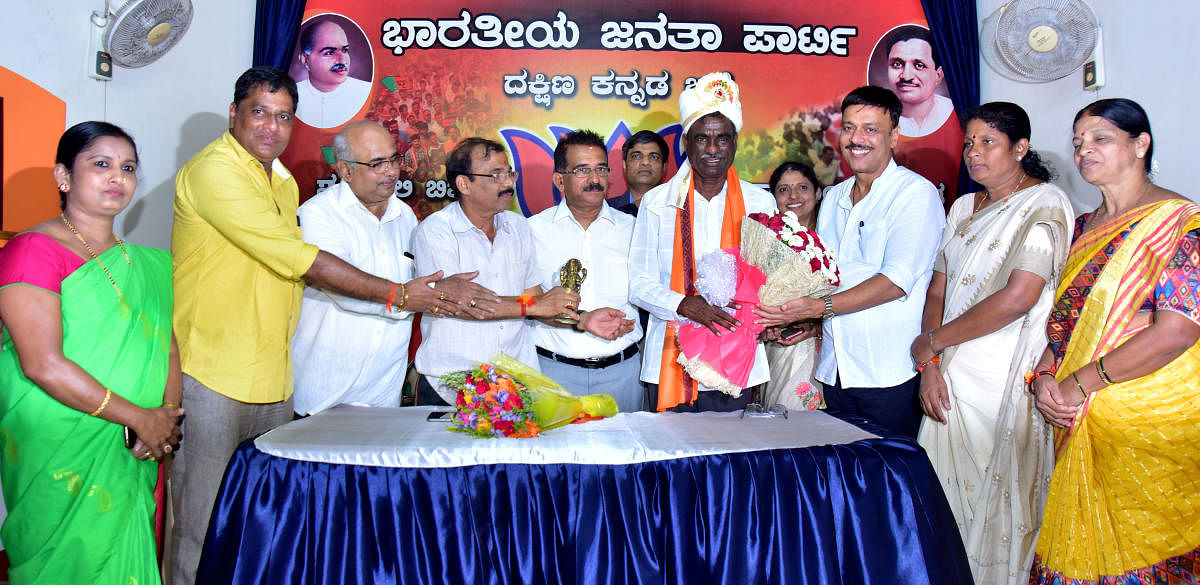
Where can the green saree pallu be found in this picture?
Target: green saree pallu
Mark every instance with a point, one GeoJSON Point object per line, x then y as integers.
{"type": "Point", "coordinates": [80, 506]}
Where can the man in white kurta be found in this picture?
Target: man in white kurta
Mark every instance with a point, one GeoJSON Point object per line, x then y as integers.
{"type": "Point", "coordinates": [586, 228]}
{"type": "Point", "coordinates": [348, 350]}
{"type": "Point", "coordinates": [478, 235]}
{"type": "Point", "coordinates": [884, 226]}
{"type": "Point", "coordinates": [711, 113]}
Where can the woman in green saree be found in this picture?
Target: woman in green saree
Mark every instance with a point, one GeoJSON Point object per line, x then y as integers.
{"type": "Point", "coordinates": [87, 353]}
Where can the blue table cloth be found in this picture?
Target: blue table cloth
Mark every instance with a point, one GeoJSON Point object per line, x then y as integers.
{"type": "Point", "coordinates": [870, 511]}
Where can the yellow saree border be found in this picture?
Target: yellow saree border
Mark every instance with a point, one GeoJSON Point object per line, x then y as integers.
{"type": "Point", "coordinates": [1125, 281]}
{"type": "Point", "coordinates": [1117, 503]}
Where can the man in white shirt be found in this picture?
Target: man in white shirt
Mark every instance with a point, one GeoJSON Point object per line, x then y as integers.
{"type": "Point", "coordinates": [884, 224]}
{"type": "Point", "coordinates": [915, 75]}
{"type": "Point", "coordinates": [477, 232]}
{"type": "Point", "coordinates": [584, 227]}
{"type": "Point", "coordinates": [329, 96]}
{"type": "Point", "coordinates": [347, 350]}
{"type": "Point", "coordinates": [701, 208]}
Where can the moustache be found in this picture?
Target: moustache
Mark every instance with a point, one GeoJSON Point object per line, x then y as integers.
{"type": "Point", "coordinates": [509, 191]}
{"type": "Point", "coordinates": [855, 145]}
{"type": "Point", "coordinates": [338, 68]}
{"type": "Point", "coordinates": [593, 187]}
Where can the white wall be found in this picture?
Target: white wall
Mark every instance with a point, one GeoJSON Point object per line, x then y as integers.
{"type": "Point", "coordinates": [1148, 50]}
{"type": "Point", "coordinates": [172, 107]}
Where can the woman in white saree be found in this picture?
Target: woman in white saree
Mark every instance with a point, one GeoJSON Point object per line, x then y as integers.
{"type": "Point", "coordinates": [984, 327]}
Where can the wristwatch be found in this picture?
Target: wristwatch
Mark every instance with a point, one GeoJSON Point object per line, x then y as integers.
{"type": "Point", "coordinates": [828, 314]}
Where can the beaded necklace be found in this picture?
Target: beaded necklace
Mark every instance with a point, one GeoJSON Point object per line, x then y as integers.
{"type": "Point", "coordinates": [89, 249]}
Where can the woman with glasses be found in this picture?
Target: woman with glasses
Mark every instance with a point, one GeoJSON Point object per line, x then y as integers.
{"type": "Point", "coordinates": [792, 353]}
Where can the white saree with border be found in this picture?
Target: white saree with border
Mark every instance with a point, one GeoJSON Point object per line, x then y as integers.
{"type": "Point", "coordinates": [994, 457]}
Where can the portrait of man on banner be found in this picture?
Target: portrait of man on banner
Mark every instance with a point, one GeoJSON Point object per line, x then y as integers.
{"type": "Point", "coordinates": [333, 70]}
{"type": "Point", "coordinates": [905, 61]}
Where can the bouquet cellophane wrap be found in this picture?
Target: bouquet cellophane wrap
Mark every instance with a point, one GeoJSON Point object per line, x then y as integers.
{"type": "Point", "coordinates": [723, 363]}
{"type": "Point", "coordinates": [789, 274]}
{"type": "Point", "coordinates": [553, 406]}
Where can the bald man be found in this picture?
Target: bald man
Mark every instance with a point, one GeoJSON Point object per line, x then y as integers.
{"type": "Point", "coordinates": [346, 350]}
{"type": "Point", "coordinates": [329, 96]}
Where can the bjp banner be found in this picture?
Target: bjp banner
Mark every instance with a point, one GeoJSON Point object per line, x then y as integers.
{"type": "Point", "coordinates": [526, 73]}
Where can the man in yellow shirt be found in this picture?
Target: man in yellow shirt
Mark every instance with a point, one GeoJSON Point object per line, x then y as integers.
{"type": "Point", "coordinates": [240, 267]}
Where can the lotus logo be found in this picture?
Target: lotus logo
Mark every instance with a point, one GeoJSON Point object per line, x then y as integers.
{"type": "Point", "coordinates": [535, 158]}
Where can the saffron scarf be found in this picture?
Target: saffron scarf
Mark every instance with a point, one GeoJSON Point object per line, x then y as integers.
{"type": "Point", "coordinates": [675, 387]}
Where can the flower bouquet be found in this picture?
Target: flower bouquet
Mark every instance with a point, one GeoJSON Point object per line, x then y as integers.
{"type": "Point", "coordinates": [507, 398]}
{"type": "Point", "coordinates": [797, 264]}
{"type": "Point", "coordinates": [723, 363]}
{"type": "Point", "coordinates": [778, 260]}
{"type": "Point", "coordinates": [793, 258]}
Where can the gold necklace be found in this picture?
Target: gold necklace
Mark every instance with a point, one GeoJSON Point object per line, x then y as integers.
{"type": "Point", "coordinates": [89, 249]}
{"type": "Point", "coordinates": [962, 232]}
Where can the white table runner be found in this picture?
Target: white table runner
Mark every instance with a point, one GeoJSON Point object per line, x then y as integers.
{"type": "Point", "coordinates": [401, 437]}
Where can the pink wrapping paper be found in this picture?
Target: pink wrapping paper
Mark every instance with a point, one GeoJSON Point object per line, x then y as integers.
{"type": "Point", "coordinates": [731, 354]}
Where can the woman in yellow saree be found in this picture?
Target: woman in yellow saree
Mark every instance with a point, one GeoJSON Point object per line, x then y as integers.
{"type": "Point", "coordinates": [1121, 377]}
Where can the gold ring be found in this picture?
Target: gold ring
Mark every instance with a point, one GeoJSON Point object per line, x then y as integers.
{"type": "Point", "coordinates": [435, 308]}
{"type": "Point", "coordinates": [442, 296]}
{"type": "Point", "coordinates": [472, 302]}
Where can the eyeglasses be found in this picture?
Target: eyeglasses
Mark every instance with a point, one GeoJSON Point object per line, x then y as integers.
{"type": "Point", "coordinates": [498, 176]}
{"type": "Point", "coordinates": [386, 164]}
{"type": "Point", "coordinates": [584, 172]}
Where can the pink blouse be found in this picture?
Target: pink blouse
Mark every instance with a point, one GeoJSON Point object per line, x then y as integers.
{"type": "Point", "coordinates": [38, 260]}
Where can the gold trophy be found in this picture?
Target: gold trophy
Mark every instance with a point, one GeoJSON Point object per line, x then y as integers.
{"type": "Point", "coordinates": [571, 277]}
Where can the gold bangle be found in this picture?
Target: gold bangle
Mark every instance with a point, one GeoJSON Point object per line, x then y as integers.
{"type": "Point", "coordinates": [107, 397]}
{"type": "Point", "coordinates": [403, 296]}
{"type": "Point", "coordinates": [170, 405]}
{"type": "Point", "coordinates": [1076, 378]}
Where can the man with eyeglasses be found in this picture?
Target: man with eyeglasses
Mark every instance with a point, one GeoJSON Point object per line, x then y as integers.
{"type": "Point", "coordinates": [697, 212]}
{"type": "Point", "coordinates": [477, 232]}
{"type": "Point", "coordinates": [644, 160]}
{"type": "Point", "coordinates": [239, 271]}
{"type": "Point", "coordinates": [346, 350]}
{"type": "Point", "coordinates": [584, 227]}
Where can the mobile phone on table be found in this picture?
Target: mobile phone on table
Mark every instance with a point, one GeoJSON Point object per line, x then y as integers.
{"type": "Point", "coordinates": [440, 416]}
{"type": "Point", "coordinates": [130, 438]}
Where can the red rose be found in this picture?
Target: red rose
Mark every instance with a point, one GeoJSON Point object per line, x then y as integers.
{"type": "Point", "coordinates": [482, 387]}
{"type": "Point", "coordinates": [826, 261]}
{"type": "Point", "coordinates": [815, 265]}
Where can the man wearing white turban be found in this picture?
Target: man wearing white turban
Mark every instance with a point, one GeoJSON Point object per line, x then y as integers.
{"type": "Point", "coordinates": [698, 211]}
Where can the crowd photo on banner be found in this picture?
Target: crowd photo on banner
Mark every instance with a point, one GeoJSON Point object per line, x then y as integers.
{"type": "Point", "coordinates": [769, 299]}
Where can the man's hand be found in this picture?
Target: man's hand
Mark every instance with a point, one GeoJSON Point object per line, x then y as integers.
{"type": "Point", "coordinates": [697, 309]}
{"type": "Point", "coordinates": [424, 298]}
{"type": "Point", "coordinates": [799, 309]}
{"type": "Point", "coordinates": [554, 302]}
{"type": "Point", "coordinates": [473, 299]}
{"type": "Point", "coordinates": [607, 322]}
